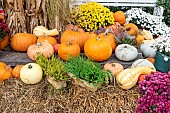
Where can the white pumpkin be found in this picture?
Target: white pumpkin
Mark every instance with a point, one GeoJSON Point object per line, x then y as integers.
{"type": "Point", "coordinates": [126, 52]}
{"type": "Point", "coordinates": [147, 50]}
{"type": "Point", "coordinates": [142, 62]}
{"type": "Point", "coordinates": [31, 73]}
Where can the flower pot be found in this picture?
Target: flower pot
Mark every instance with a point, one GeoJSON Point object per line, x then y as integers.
{"type": "Point", "coordinates": [162, 62]}
{"type": "Point", "coordinates": [56, 84]}
{"type": "Point", "coordinates": [4, 42]}
{"type": "Point", "coordinates": [82, 83]}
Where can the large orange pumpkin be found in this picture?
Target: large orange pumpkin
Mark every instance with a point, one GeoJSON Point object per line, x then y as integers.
{"type": "Point", "coordinates": [120, 17]}
{"type": "Point", "coordinates": [115, 68]}
{"type": "Point", "coordinates": [21, 41]}
{"type": "Point", "coordinates": [109, 37]}
{"type": "Point", "coordinates": [48, 39]}
{"type": "Point", "coordinates": [97, 49]}
{"type": "Point", "coordinates": [4, 42]}
{"type": "Point", "coordinates": [74, 36]}
{"type": "Point", "coordinates": [5, 71]}
{"type": "Point", "coordinates": [132, 29]}
{"type": "Point", "coordinates": [68, 49]}
{"type": "Point", "coordinates": [16, 71]}
{"type": "Point", "coordinates": [43, 48]}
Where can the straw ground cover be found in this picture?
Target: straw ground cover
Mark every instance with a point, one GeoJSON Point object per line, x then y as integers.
{"type": "Point", "coordinates": [17, 97]}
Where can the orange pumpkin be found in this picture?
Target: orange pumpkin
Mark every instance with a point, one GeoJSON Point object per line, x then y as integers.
{"type": "Point", "coordinates": [91, 34]}
{"type": "Point", "coordinates": [114, 27]}
{"type": "Point", "coordinates": [74, 36]}
{"type": "Point", "coordinates": [43, 48]}
{"type": "Point", "coordinates": [72, 27]}
{"type": "Point", "coordinates": [21, 41]}
{"type": "Point", "coordinates": [139, 39]}
{"type": "Point", "coordinates": [109, 37]}
{"type": "Point", "coordinates": [68, 49]}
{"type": "Point", "coordinates": [142, 77]}
{"type": "Point", "coordinates": [115, 68]}
{"type": "Point", "coordinates": [16, 71]}
{"type": "Point", "coordinates": [132, 29]}
{"type": "Point", "coordinates": [120, 17]}
{"type": "Point", "coordinates": [48, 39]}
{"type": "Point", "coordinates": [4, 42]}
{"type": "Point", "coordinates": [97, 49]}
{"type": "Point", "coordinates": [152, 60]}
{"type": "Point", "coordinates": [5, 71]}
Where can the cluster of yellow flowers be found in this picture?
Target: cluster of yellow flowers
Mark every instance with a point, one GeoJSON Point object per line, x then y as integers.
{"type": "Point", "coordinates": [91, 16]}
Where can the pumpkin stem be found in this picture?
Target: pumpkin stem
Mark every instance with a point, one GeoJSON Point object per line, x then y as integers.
{"type": "Point", "coordinates": [69, 43]}
{"type": "Point", "coordinates": [98, 39]}
{"type": "Point", "coordinates": [128, 29]}
{"type": "Point", "coordinates": [39, 43]}
{"type": "Point", "coordinates": [113, 65]}
{"type": "Point", "coordinates": [125, 46]}
{"type": "Point", "coordinates": [29, 66]}
{"type": "Point", "coordinates": [7, 67]}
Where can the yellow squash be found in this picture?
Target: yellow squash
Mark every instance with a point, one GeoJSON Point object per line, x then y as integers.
{"type": "Point", "coordinates": [41, 30]}
{"type": "Point", "coordinates": [127, 78]}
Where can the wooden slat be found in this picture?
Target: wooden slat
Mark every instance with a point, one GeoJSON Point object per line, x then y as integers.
{"type": "Point", "coordinates": [119, 1]}
{"type": "Point", "coordinates": [16, 58]}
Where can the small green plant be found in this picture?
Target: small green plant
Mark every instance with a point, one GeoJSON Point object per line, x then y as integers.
{"type": "Point", "coordinates": [86, 69]}
{"type": "Point", "coordinates": [53, 67]}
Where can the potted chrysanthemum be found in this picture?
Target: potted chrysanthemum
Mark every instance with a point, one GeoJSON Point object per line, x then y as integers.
{"type": "Point", "coordinates": [4, 34]}
{"type": "Point", "coordinates": [162, 58]}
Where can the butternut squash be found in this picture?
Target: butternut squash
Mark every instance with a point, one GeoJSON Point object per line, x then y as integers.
{"type": "Point", "coordinates": [41, 30]}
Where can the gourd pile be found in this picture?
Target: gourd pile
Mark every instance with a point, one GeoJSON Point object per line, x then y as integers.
{"type": "Point", "coordinates": [80, 50]}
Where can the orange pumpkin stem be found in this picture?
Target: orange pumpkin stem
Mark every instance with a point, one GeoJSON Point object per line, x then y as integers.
{"type": "Point", "coordinates": [98, 39]}
{"type": "Point", "coordinates": [128, 29]}
{"type": "Point", "coordinates": [7, 67]}
{"type": "Point", "coordinates": [69, 43]}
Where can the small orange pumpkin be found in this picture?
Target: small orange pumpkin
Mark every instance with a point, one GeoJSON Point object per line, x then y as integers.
{"type": "Point", "coordinates": [72, 27]}
{"type": "Point", "coordinates": [139, 39]}
{"type": "Point", "coordinates": [132, 29]}
{"type": "Point", "coordinates": [152, 60]}
{"type": "Point", "coordinates": [114, 27]}
{"type": "Point", "coordinates": [109, 37]}
{"type": "Point", "coordinates": [97, 49]}
{"type": "Point", "coordinates": [16, 71]}
{"type": "Point", "coordinates": [43, 48]}
{"type": "Point", "coordinates": [21, 41]}
{"type": "Point", "coordinates": [4, 42]}
{"type": "Point", "coordinates": [115, 68]}
{"type": "Point", "coordinates": [5, 71]}
{"type": "Point", "coordinates": [74, 36]}
{"type": "Point", "coordinates": [120, 17]}
{"type": "Point", "coordinates": [142, 77]}
{"type": "Point", "coordinates": [48, 39]}
{"type": "Point", "coordinates": [68, 49]}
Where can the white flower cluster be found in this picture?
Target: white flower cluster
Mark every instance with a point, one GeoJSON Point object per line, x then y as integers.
{"type": "Point", "coordinates": [162, 44]}
{"type": "Point", "coordinates": [146, 20]}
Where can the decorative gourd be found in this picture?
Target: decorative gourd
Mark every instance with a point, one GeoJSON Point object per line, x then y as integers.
{"type": "Point", "coordinates": [68, 49]}
{"type": "Point", "coordinates": [147, 35]}
{"type": "Point", "coordinates": [74, 36]}
{"type": "Point", "coordinates": [115, 68]}
{"type": "Point", "coordinates": [142, 62]}
{"type": "Point", "coordinates": [109, 37]}
{"type": "Point", "coordinates": [120, 17]}
{"type": "Point", "coordinates": [40, 30]}
{"type": "Point", "coordinates": [147, 50]}
{"type": "Point", "coordinates": [5, 71]}
{"type": "Point", "coordinates": [132, 29]}
{"type": "Point", "coordinates": [139, 39]}
{"type": "Point", "coordinates": [127, 78]}
{"type": "Point", "coordinates": [152, 60]}
{"type": "Point", "coordinates": [16, 71]}
{"type": "Point", "coordinates": [126, 52]}
{"type": "Point", "coordinates": [45, 38]}
{"type": "Point", "coordinates": [4, 42]}
{"type": "Point", "coordinates": [97, 49]}
{"type": "Point", "coordinates": [43, 48]}
{"type": "Point", "coordinates": [31, 73]}
{"type": "Point", "coordinates": [21, 41]}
